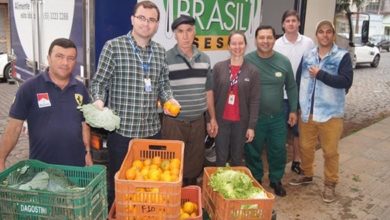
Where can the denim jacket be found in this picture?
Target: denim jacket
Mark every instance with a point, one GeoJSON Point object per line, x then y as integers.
{"type": "Point", "coordinates": [328, 101]}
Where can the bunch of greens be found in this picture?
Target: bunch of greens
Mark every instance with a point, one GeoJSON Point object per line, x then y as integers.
{"type": "Point", "coordinates": [100, 118]}
{"type": "Point", "coordinates": [50, 179]}
{"type": "Point", "coordinates": [234, 184]}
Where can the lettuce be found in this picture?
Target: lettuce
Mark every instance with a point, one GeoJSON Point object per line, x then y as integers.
{"type": "Point", "coordinates": [100, 118]}
{"type": "Point", "coordinates": [234, 184]}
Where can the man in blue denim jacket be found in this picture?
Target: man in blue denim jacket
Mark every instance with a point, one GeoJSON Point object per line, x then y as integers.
{"type": "Point", "coordinates": [324, 76]}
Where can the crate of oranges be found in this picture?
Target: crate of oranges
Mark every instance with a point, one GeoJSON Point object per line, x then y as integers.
{"type": "Point", "coordinates": [148, 184]}
{"type": "Point", "coordinates": [191, 203]}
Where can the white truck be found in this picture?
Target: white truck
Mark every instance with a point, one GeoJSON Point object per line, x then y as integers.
{"type": "Point", "coordinates": [5, 68]}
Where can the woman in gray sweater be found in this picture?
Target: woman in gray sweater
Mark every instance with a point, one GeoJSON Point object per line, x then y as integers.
{"type": "Point", "coordinates": [236, 96]}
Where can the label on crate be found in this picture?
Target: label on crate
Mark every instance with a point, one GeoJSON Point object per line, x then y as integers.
{"type": "Point", "coordinates": [33, 209]}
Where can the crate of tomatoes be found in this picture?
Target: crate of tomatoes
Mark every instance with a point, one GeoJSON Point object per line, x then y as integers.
{"type": "Point", "coordinates": [148, 184]}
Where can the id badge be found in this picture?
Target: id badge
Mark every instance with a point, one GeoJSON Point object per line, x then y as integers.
{"type": "Point", "coordinates": [231, 99]}
{"type": "Point", "coordinates": [148, 85]}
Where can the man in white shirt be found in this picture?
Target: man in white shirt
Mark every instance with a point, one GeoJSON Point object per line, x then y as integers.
{"type": "Point", "coordinates": [293, 45]}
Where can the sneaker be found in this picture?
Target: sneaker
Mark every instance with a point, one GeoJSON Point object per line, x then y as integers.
{"type": "Point", "coordinates": [296, 167]}
{"type": "Point", "coordinates": [329, 195]}
{"type": "Point", "coordinates": [301, 180]}
{"type": "Point", "coordinates": [278, 189]}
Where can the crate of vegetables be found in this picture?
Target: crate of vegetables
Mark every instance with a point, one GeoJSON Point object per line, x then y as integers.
{"type": "Point", "coordinates": [31, 189]}
{"type": "Point", "coordinates": [231, 193]}
{"type": "Point", "coordinates": [148, 184]}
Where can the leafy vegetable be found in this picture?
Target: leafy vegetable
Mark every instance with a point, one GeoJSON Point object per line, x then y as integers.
{"type": "Point", "coordinates": [100, 118]}
{"type": "Point", "coordinates": [234, 184]}
{"type": "Point", "coordinates": [50, 179]}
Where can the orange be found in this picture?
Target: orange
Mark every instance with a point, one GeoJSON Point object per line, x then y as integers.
{"type": "Point", "coordinates": [184, 215]}
{"type": "Point", "coordinates": [145, 171]}
{"type": "Point", "coordinates": [147, 162]}
{"type": "Point", "coordinates": [166, 177]}
{"type": "Point", "coordinates": [139, 164]}
{"type": "Point", "coordinates": [174, 164]}
{"type": "Point", "coordinates": [188, 207]}
{"type": "Point", "coordinates": [154, 175]}
{"type": "Point", "coordinates": [165, 165]}
{"type": "Point", "coordinates": [131, 173]}
{"type": "Point", "coordinates": [156, 160]}
{"type": "Point", "coordinates": [174, 110]}
{"type": "Point", "coordinates": [175, 172]}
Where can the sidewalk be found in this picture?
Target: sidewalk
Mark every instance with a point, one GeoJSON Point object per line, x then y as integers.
{"type": "Point", "coordinates": [363, 190]}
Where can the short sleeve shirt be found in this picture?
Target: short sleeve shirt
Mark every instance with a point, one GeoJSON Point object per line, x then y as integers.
{"type": "Point", "coordinates": [54, 122]}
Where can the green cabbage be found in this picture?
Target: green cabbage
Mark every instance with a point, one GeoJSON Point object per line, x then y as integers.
{"type": "Point", "coordinates": [100, 118]}
{"type": "Point", "coordinates": [234, 184]}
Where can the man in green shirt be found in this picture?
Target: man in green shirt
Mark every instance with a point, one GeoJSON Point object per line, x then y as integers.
{"type": "Point", "coordinates": [275, 72]}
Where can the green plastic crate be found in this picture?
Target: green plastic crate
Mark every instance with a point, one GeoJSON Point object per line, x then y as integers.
{"type": "Point", "coordinates": [90, 203]}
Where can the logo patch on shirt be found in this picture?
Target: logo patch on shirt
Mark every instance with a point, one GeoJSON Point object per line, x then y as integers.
{"type": "Point", "coordinates": [278, 74]}
{"type": "Point", "coordinates": [43, 100]}
{"type": "Point", "coordinates": [78, 98]}
{"type": "Point", "coordinates": [247, 79]}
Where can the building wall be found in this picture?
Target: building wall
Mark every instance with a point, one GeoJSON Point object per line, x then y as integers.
{"type": "Point", "coordinates": [317, 10]}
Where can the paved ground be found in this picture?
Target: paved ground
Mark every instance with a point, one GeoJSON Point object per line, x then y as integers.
{"type": "Point", "coordinates": [363, 191]}
{"type": "Point", "coordinates": [365, 155]}
{"type": "Point", "coordinates": [20, 152]}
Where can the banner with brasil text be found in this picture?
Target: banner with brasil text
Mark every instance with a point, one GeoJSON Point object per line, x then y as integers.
{"type": "Point", "coordinates": [215, 19]}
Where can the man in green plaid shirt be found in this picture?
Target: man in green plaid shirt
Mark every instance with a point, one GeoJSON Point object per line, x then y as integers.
{"type": "Point", "coordinates": [131, 76]}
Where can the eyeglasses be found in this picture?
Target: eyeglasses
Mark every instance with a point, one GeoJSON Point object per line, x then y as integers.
{"type": "Point", "coordinates": [144, 19]}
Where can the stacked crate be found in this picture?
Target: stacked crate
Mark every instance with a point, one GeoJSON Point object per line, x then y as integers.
{"type": "Point", "coordinates": [149, 199]}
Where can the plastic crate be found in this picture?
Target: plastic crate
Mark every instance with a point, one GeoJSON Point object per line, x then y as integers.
{"type": "Point", "coordinates": [89, 203]}
{"type": "Point", "coordinates": [193, 194]}
{"type": "Point", "coordinates": [220, 208]}
{"type": "Point", "coordinates": [112, 213]}
{"type": "Point", "coordinates": [136, 198]}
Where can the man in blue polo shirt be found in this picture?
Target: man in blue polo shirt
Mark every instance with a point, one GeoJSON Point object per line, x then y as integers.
{"type": "Point", "coordinates": [49, 101]}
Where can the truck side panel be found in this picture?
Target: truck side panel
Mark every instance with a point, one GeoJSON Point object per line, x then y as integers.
{"type": "Point", "coordinates": [35, 24]}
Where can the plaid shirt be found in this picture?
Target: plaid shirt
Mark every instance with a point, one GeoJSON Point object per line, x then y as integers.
{"type": "Point", "coordinates": [120, 71]}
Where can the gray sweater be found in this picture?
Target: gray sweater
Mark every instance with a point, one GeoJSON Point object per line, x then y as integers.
{"type": "Point", "coordinates": [248, 91]}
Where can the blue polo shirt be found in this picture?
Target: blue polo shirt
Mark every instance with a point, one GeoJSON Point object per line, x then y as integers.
{"type": "Point", "coordinates": [54, 122]}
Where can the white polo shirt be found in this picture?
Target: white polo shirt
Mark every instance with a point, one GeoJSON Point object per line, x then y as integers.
{"type": "Point", "coordinates": [293, 51]}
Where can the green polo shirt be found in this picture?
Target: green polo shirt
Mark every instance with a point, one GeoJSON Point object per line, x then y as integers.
{"type": "Point", "coordinates": [275, 72]}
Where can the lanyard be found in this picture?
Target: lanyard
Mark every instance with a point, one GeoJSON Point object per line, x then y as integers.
{"type": "Point", "coordinates": [145, 65]}
{"type": "Point", "coordinates": [233, 81]}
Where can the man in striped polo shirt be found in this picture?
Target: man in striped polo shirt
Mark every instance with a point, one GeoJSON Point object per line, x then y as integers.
{"type": "Point", "coordinates": [191, 84]}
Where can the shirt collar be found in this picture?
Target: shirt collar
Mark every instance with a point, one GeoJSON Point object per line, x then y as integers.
{"type": "Point", "coordinates": [195, 52]}
{"type": "Point", "coordinates": [46, 77]}
{"type": "Point", "coordinates": [135, 42]}
{"type": "Point", "coordinates": [299, 39]}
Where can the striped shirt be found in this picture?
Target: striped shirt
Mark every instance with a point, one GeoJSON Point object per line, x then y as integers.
{"type": "Point", "coordinates": [121, 73]}
{"type": "Point", "coordinates": [189, 79]}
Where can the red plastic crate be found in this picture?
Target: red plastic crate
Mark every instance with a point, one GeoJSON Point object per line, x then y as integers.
{"type": "Point", "coordinates": [149, 199]}
{"type": "Point", "coordinates": [220, 208]}
{"type": "Point", "coordinates": [193, 194]}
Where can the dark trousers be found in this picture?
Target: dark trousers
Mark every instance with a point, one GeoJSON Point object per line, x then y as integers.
{"type": "Point", "coordinates": [192, 133]}
{"type": "Point", "coordinates": [118, 146]}
{"type": "Point", "coordinates": [229, 143]}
